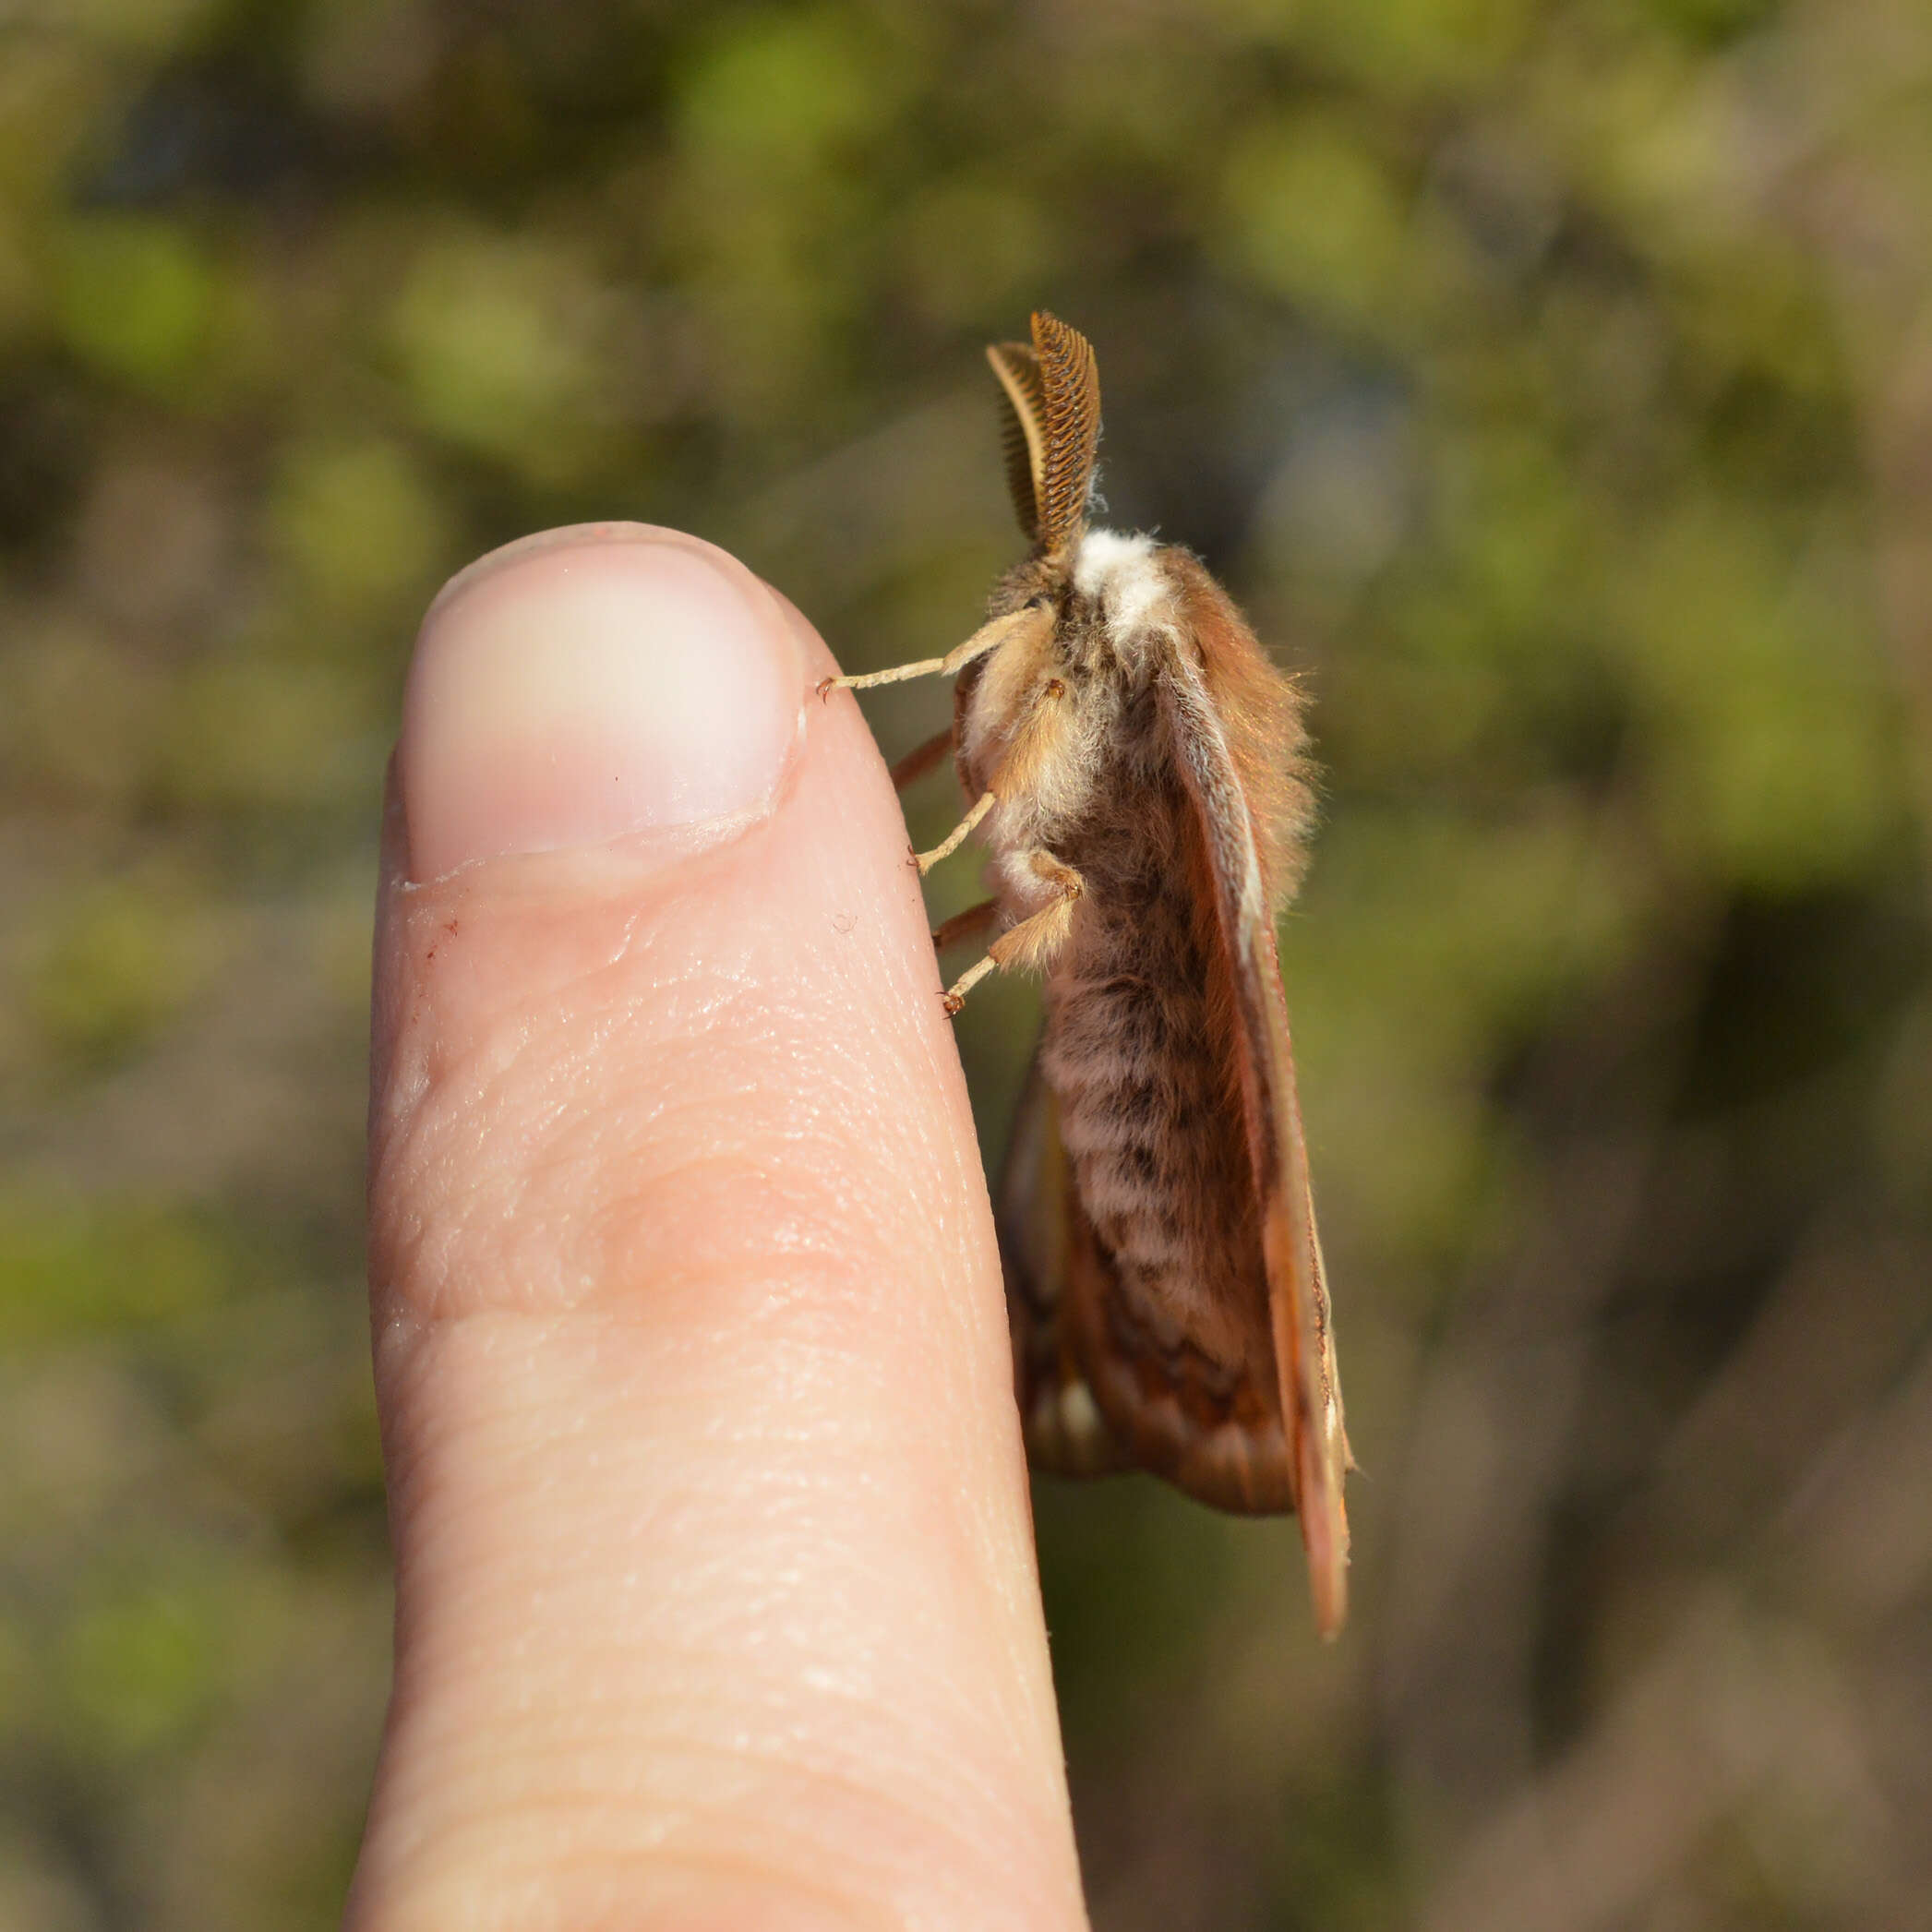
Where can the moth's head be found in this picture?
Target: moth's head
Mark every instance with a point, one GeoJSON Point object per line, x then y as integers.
{"type": "Point", "coordinates": [1052, 390]}
{"type": "Point", "coordinates": [1041, 582]}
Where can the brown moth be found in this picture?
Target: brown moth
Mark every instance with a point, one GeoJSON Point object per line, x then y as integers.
{"type": "Point", "coordinates": [1137, 767]}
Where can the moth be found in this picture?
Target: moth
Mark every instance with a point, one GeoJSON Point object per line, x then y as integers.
{"type": "Point", "coordinates": [1138, 768]}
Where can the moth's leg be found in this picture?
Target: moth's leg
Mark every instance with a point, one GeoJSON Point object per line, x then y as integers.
{"type": "Point", "coordinates": [1042, 737]}
{"type": "Point", "coordinates": [956, 993]}
{"type": "Point", "coordinates": [987, 638]}
{"type": "Point", "coordinates": [955, 838]}
{"type": "Point", "coordinates": [865, 680]}
{"type": "Point", "coordinates": [921, 759]}
{"type": "Point", "coordinates": [1035, 941]}
{"type": "Point", "coordinates": [1016, 772]}
{"type": "Point", "coordinates": [968, 924]}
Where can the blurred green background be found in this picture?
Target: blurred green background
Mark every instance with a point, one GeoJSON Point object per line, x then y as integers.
{"type": "Point", "coordinates": [1553, 383]}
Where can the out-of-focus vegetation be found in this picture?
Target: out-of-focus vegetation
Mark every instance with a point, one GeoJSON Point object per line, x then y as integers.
{"type": "Point", "coordinates": [1554, 381]}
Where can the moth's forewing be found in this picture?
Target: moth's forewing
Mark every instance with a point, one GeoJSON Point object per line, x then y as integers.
{"type": "Point", "coordinates": [1304, 1341]}
{"type": "Point", "coordinates": [1029, 1212]}
{"type": "Point", "coordinates": [1208, 728]}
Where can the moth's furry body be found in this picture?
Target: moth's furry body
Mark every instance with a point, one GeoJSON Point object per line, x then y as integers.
{"type": "Point", "coordinates": [1072, 724]}
{"type": "Point", "coordinates": [1135, 765]}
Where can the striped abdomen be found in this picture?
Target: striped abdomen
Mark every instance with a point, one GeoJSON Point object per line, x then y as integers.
{"type": "Point", "coordinates": [1140, 1051]}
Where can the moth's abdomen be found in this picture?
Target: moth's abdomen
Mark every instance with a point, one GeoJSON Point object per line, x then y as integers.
{"type": "Point", "coordinates": [1140, 1052]}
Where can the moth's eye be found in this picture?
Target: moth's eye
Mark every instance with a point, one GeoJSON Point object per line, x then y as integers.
{"type": "Point", "coordinates": [1039, 600]}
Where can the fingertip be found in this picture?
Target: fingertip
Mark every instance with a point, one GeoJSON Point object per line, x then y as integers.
{"type": "Point", "coordinates": [592, 684]}
{"type": "Point", "coordinates": [694, 1368]}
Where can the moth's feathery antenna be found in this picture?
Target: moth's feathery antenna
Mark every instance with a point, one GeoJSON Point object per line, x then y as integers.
{"type": "Point", "coordinates": [1023, 438]}
{"type": "Point", "coordinates": [1070, 413]}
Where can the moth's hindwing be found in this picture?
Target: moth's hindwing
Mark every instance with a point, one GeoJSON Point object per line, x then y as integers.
{"type": "Point", "coordinates": [1097, 1391]}
{"type": "Point", "coordinates": [1039, 1222]}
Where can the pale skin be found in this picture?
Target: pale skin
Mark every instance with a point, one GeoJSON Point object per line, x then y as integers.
{"type": "Point", "coordinates": [716, 1596]}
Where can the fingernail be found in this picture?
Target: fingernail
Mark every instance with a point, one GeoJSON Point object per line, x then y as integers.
{"type": "Point", "coordinates": [590, 684]}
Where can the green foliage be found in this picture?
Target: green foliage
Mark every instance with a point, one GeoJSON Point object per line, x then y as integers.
{"type": "Point", "coordinates": [786, 88]}
{"type": "Point", "coordinates": [70, 1269]}
{"type": "Point", "coordinates": [357, 522]}
{"type": "Point", "coordinates": [114, 965]}
{"type": "Point", "coordinates": [498, 343]}
{"type": "Point", "coordinates": [140, 1664]}
{"type": "Point", "coordinates": [1313, 217]}
{"type": "Point", "coordinates": [136, 298]}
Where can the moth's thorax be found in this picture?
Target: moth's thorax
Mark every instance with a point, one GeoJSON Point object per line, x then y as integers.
{"type": "Point", "coordinates": [1054, 708]}
{"type": "Point", "coordinates": [1123, 602]}
{"type": "Point", "coordinates": [1113, 601]}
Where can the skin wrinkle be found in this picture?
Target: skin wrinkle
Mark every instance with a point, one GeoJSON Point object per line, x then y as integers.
{"type": "Point", "coordinates": [631, 1880]}
{"type": "Point", "coordinates": [936, 1774]}
{"type": "Point", "coordinates": [627, 1883]}
{"type": "Point", "coordinates": [926, 1795]}
{"type": "Point", "coordinates": [944, 1772]}
{"type": "Point", "coordinates": [845, 1908]}
{"type": "Point", "coordinates": [460, 1098]}
{"type": "Point", "coordinates": [805, 1480]}
{"type": "Point", "coordinates": [936, 1819]}
{"type": "Point", "coordinates": [773, 1737]}
{"type": "Point", "coordinates": [408, 1496]}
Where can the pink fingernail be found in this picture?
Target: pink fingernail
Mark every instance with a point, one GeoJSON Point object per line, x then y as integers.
{"type": "Point", "coordinates": [590, 684]}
